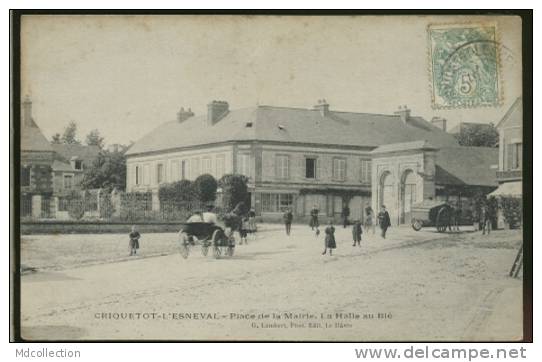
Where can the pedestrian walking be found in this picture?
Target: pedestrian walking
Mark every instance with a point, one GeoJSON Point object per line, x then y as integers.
{"type": "Point", "coordinates": [485, 217]}
{"type": "Point", "coordinates": [345, 213]}
{"type": "Point", "coordinates": [369, 219]}
{"type": "Point", "coordinates": [134, 240]}
{"type": "Point", "coordinates": [356, 232]}
{"type": "Point", "coordinates": [314, 218]}
{"type": "Point", "coordinates": [384, 221]}
{"type": "Point", "coordinates": [329, 239]}
{"type": "Point", "coordinates": [287, 217]}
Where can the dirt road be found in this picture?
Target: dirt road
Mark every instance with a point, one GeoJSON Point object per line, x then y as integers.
{"type": "Point", "coordinates": [411, 286]}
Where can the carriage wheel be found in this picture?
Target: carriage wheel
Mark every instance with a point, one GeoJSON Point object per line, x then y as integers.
{"type": "Point", "coordinates": [217, 252]}
{"type": "Point", "coordinates": [230, 250]}
{"type": "Point", "coordinates": [184, 245]}
{"type": "Point", "coordinates": [417, 224]}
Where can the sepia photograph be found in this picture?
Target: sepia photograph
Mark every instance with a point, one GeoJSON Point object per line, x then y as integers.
{"type": "Point", "coordinates": [269, 177]}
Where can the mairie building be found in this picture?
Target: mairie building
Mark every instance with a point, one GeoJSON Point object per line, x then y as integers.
{"type": "Point", "coordinates": [300, 158]}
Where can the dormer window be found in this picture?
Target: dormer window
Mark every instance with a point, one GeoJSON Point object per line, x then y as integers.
{"type": "Point", "coordinates": [78, 165]}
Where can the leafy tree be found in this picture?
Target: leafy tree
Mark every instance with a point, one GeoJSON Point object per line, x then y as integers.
{"type": "Point", "coordinates": [205, 187]}
{"type": "Point", "coordinates": [108, 171]}
{"type": "Point", "coordinates": [234, 190]}
{"type": "Point", "coordinates": [95, 139]}
{"type": "Point", "coordinates": [478, 135]}
{"type": "Point", "coordinates": [69, 136]}
{"type": "Point", "coordinates": [56, 138]}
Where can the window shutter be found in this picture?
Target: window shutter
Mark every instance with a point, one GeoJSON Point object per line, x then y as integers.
{"type": "Point", "coordinates": [277, 171]}
{"type": "Point", "coordinates": [509, 156]}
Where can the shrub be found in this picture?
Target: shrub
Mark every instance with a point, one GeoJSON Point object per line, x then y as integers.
{"type": "Point", "coordinates": [512, 211]}
{"type": "Point", "coordinates": [205, 188]}
{"type": "Point", "coordinates": [234, 190]}
{"type": "Point", "coordinates": [178, 192]}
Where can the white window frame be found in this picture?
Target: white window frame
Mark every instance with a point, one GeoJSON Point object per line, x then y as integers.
{"type": "Point", "coordinates": [160, 173]}
{"type": "Point", "coordinates": [195, 169]}
{"type": "Point", "coordinates": [365, 172]}
{"type": "Point", "coordinates": [146, 175]}
{"type": "Point", "coordinates": [220, 166]}
{"type": "Point", "coordinates": [272, 202]}
{"type": "Point", "coordinates": [243, 164]}
{"type": "Point", "coordinates": [282, 166]}
{"type": "Point", "coordinates": [315, 167]}
{"type": "Point", "coordinates": [207, 165]}
{"type": "Point", "coordinates": [339, 173]}
{"type": "Point", "coordinates": [69, 176]}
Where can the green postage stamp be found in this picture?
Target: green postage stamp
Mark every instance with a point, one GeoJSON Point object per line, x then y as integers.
{"type": "Point", "coordinates": [464, 66]}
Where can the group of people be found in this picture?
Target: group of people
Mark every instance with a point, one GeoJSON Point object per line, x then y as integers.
{"type": "Point", "coordinates": [383, 219]}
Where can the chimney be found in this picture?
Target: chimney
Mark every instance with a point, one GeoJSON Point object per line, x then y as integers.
{"type": "Point", "coordinates": [27, 112]}
{"type": "Point", "coordinates": [183, 115]}
{"type": "Point", "coordinates": [323, 107]}
{"type": "Point", "coordinates": [404, 113]}
{"type": "Point", "coordinates": [439, 122]}
{"type": "Point", "coordinates": [215, 111]}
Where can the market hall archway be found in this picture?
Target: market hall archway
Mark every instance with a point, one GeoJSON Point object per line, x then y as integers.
{"type": "Point", "coordinates": [386, 197]}
{"type": "Point", "coordinates": [408, 195]}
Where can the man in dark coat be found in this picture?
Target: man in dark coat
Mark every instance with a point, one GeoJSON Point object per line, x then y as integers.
{"type": "Point", "coordinates": [344, 215]}
{"type": "Point", "coordinates": [314, 218]}
{"type": "Point", "coordinates": [287, 217]}
{"type": "Point", "coordinates": [384, 221]}
{"type": "Point", "coordinates": [356, 233]}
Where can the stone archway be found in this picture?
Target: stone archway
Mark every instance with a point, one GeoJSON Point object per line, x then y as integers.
{"type": "Point", "coordinates": [408, 195]}
{"type": "Point", "coordinates": [386, 194]}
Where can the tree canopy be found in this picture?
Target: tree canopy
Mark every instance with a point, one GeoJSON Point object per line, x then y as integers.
{"type": "Point", "coordinates": [108, 171]}
{"type": "Point", "coordinates": [205, 187]}
{"type": "Point", "coordinates": [94, 138]}
{"type": "Point", "coordinates": [234, 190]}
{"type": "Point", "coordinates": [69, 136]}
{"type": "Point", "coordinates": [478, 135]}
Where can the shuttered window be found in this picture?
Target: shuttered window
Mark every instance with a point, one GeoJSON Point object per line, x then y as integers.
{"type": "Point", "coordinates": [339, 169]}
{"type": "Point", "coordinates": [365, 171]}
{"type": "Point", "coordinates": [282, 163]}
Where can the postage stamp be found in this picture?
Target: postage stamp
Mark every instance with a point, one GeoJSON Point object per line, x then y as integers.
{"type": "Point", "coordinates": [464, 66]}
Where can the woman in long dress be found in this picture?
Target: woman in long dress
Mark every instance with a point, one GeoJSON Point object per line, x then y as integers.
{"type": "Point", "coordinates": [330, 239]}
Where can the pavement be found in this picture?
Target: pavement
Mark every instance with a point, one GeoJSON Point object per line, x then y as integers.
{"type": "Point", "coordinates": [411, 286]}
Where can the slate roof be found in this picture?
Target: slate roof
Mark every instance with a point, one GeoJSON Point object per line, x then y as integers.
{"type": "Point", "coordinates": [296, 125]}
{"type": "Point", "coordinates": [467, 166]}
{"type": "Point", "coordinates": [87, 154]}
{"type": "Point", "coordinates": [59, 165]}
{"type": "Point", "coordinates": [404, 146]}
{"type": "Point", "coordinates": [33, 140]}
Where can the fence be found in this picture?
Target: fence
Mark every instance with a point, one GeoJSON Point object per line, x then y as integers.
{"type": "Point", "coordinates": [105, 206]}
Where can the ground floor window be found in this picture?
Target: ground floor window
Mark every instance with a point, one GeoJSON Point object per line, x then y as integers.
{"type": "Point", "coordinates": [277, 202]}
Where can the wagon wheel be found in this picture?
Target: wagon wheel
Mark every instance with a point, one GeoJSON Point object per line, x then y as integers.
{"type": "Point", "coordinates": [205, 248]}
{"type": "Point", "coordinates": [417, 224]}
{"type": "Point", "coordinates": [217, 252]}
{"type": "Point", "coordinates": [442, 220]}
{"type": "Point", "coordinates": [230, 250]}
{"type": "Point", "coordinates": [185, 250]}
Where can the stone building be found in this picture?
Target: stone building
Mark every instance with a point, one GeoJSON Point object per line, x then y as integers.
{"type": "Point", "coordinates": [293, 157]}
{"type": "Point", "coordinates": [37, 155]}
{"type": "Point", "coordinates": [69, 165]}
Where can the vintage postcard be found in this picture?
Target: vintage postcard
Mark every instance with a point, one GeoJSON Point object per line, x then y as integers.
{"type": "Point", "coordinates": [269, 178]}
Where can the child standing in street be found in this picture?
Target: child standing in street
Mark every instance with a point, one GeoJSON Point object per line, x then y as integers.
{"type": "Point", "coordinates": [330, 239]}
{"type": "Point", "coordinates": [134, 240]}
{"type": "Point", "coordinates": [356, 233]}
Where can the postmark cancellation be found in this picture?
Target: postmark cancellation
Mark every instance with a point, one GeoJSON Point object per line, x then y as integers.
{"type": "Point", "coordinates": [464, 66]}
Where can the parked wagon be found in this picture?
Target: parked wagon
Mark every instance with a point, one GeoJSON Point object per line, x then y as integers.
{"type": "Point", "coordinates": [431, 213]}
{"type": "Point", "coordinates": [208, 236]}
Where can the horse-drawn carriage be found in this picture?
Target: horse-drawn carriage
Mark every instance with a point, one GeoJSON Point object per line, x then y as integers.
{"type": "Point", "coordinates": [431, 213]}
{"type": "Point", "coordinates": [209, 236]}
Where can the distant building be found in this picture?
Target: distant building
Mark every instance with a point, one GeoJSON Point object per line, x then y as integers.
{"type": "Point", "coordinates": [462, 126]}
{"type": "Point", "coordinates": [69, 165]}
{"type": "Point", "coordinates": [299, 158]}
{"type": "Point", "coordinates": [510, 172]}
{"type": "Point", "coordinates": [37, 155]}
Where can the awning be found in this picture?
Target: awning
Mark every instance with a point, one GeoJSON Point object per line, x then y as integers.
{"type": "Point", "coordinates": [508, 189]}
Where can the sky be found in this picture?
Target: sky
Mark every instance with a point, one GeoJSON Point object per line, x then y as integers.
{"type": "Point", "coordinates": [125, 75]}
